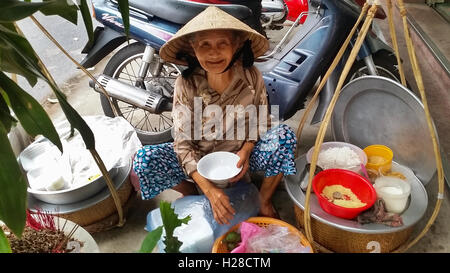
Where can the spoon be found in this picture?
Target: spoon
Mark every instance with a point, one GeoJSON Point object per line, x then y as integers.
{"type": "Point", "coordinates": [363, 168]}
{"type": "Point", "coordinates": [304, 176]}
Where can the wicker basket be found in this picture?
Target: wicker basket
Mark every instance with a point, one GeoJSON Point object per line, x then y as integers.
{"type": "Point", "coordinates": [220, 247]}
{"type": "Point", "coordinates": [331, 239]}
{"type": "Point", "coordinates": [91, 218]}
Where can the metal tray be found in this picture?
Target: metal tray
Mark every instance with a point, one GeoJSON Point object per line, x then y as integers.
{"type": "Point", "coordinates": [414, 212]}
{"type": "Point", "coordinates": [377, 110]}
{"type": "Point", "coordinates": [118, 180]}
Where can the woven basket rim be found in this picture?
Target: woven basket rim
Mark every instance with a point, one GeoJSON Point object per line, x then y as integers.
{"type": "Point", "coordinates": [265, 220]}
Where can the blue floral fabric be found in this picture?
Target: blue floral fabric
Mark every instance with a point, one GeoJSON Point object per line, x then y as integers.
{"type": "Point", "coordinates": [158, 169]}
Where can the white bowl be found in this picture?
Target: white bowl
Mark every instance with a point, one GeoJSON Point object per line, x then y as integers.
{"type": "Point", "coordinates": [327, 145]}
{"type": "Point", "coordinates": [219, 167]}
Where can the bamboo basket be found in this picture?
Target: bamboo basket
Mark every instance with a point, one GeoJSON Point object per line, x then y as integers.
{"type": "Point", "coordinates": [220, 247]}
{"type": "Point", "coordinates": [326, 238]}
{"type": "Point", "coordinates": [98, 217]}
{"type": "Point", "coordinates": [331, 239]}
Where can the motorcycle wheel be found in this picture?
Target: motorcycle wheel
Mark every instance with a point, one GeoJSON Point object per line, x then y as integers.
{"type": "Point", "coordinates": [124, 65]}
{"type": "Point", "coordinates": [385, 63]}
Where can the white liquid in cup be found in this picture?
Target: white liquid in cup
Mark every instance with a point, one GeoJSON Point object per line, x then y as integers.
{"type": "Point", "coordinates": [394, 192]}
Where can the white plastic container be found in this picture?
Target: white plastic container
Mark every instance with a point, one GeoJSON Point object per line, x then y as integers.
{"type": "Point", "coordinates": [394, 192]}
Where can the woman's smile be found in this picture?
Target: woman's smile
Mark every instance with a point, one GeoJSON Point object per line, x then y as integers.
{"type": "Point", "coordinates": [214, 50]}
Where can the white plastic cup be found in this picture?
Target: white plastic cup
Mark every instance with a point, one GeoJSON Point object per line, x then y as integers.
{"type": "Point", "coordinates": [394, 192]}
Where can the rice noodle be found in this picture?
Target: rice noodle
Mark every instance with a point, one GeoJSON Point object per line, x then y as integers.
{"type": "Point", "coordinates": [338, 157]}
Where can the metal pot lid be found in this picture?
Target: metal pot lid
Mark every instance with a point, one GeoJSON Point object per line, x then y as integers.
{"type": "Point", "coordinates": [377, 110]}
{"type": "Point", "coordinates": [415, 210]}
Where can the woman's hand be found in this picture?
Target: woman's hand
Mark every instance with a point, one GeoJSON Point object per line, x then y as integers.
{"type": "Point", "coordinates": [244, 161]}
{"type": "Point", "coordinates": [220, 203]}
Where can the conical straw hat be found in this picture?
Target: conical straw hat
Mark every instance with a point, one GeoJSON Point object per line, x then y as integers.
{"type": "Point", "coordinates": [209, 19]}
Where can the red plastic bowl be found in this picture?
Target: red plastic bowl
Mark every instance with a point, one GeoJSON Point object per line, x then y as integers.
{"type": "Point", "coordinates": [359, 185]}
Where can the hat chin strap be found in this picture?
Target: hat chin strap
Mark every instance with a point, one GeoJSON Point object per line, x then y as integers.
{"type": "Point", "coordinates": [247, 56]}
{"type": "Point", "coordinates": [192, 63]}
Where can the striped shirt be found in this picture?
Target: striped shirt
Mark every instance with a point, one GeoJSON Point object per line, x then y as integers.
{"type": "Point", "coordinates": [222, 116]}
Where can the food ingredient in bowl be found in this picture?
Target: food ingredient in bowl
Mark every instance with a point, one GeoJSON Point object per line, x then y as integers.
{"type": "Point", "coordinates": [375, 159]}
{"type": "Point", "coordinates": [396, 174]}
{"type": "Point", "coordinates": [232, 240]}
{"type": "Point", "coordinates": [342, 196]}
{"type": "Point", "coordinates": [338, 158]}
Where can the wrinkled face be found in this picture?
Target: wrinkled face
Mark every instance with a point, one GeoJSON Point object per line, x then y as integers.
{"type": "Point", "coordinates": [214, 49]}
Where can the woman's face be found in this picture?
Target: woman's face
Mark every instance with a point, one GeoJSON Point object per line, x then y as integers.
{"type": "Point", "coordinates": [214, 49]}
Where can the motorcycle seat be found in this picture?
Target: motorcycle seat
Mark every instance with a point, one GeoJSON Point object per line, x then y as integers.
{"type": "Point", "coordinates": [181, 11]}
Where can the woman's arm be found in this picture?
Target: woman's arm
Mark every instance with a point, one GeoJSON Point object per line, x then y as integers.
{"type": "Point", "coordinates": [184, 146]}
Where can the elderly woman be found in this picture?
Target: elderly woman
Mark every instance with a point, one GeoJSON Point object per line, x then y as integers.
{"type": "Point", "coordinates": [219, 51]}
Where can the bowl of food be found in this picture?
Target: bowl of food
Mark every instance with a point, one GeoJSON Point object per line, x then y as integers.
{"type": "Point", "coordinates": [343, 193]}
{"type": "Point", "coordinates": [379, 158]}
{"type": "Point", "coordinates": [339, 155]}
{"type": "Point", "coordinates": [73, 193]}
{"type": "Point", "coordinates": [219, 167]}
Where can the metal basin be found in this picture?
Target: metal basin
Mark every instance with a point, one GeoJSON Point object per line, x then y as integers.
{"type": "Point", "coordinates": [415, 211]}
{"type": "Point", "coordinates": [73, 195]}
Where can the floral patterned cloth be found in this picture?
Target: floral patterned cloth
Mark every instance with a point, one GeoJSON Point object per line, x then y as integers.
{"type": "Point", "coordinates": [158, 169]}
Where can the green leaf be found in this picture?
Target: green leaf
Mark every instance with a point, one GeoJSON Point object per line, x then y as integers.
{"type": "Point", "coordinates": [12, 62]}
{"type": "Point", "coordinates": [13, 193]}
{"type": "Point", "coordinates": [61, 8]}
{"type": "Point", "coordinates": [5, 114]}
{"type": "Point", "coordinates": [19, 55]}
{"type": "Point", "coordinates": [151, 240]}
{"type": "Point", "coordinates": [84, 8]}
{"type": "Point", "coordinates": [172, 245]}
{"type": "Point", "coordinates": [170, 218]}
{"type": "Point", "coordinates": [4, 244]}
{"type": "Point", "coordinates": [13, 10]}
{"type": "Point", "coordinates": [125, 11]}
{"type": "Point", "coordinates": [32, 116]}
{"type": "Point", "coordinates": [75, 120]}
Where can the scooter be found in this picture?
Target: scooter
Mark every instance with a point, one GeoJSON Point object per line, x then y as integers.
{"type": "Point", "coordinates": [273, 12]}
{"type": "Point", "coordinates": [141, 84]}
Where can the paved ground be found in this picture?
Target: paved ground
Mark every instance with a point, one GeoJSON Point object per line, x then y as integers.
{"type": "Point", "coordinates": [129, 237]}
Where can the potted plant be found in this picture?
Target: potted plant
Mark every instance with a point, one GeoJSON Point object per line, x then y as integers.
{"type": "Point", "coordinates": [170, 223]}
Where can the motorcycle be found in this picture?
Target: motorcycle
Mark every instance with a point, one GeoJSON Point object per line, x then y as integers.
{"type": "Point", "coordinates": [272, 13]}
{"type": "Point", "coordinates": [141, 84]}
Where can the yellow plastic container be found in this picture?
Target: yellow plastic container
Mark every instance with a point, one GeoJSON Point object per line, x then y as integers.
{"type": "Point", "coordinates": [379, 158]}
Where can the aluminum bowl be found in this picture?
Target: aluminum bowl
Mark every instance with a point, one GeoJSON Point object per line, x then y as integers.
{"type": "Point", "coordinates": [73, 195]}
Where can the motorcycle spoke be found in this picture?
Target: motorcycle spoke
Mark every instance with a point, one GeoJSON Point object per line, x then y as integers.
{"type": "Point", "coordinates": [137, 125]}
{"type": "Point", "coordinates": [128, 74]}
{"type": "Point", "coordinates": [132, 69]}
{"type": "Point", "coordinates": [146, 123]}
{"type": "Point", "coordinates": [163, 122]}
{"type": "Point", "coordinates": [167, 120]}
